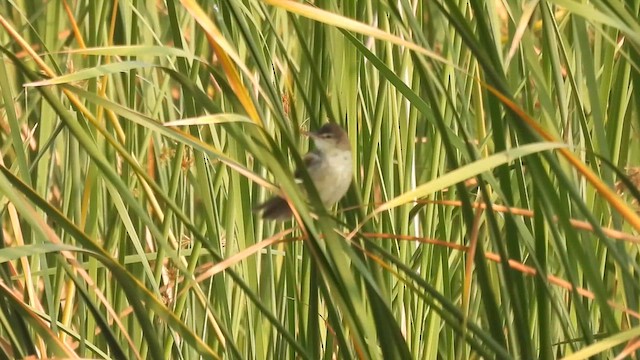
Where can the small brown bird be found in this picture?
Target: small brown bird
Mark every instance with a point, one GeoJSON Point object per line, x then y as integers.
{"type": "Point", "coordinates": [330, 167]}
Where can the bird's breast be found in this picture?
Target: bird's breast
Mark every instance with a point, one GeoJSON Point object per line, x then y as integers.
{"type": "Point", "coordinates": [333, 178]}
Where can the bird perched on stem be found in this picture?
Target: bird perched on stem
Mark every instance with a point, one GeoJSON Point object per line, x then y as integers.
{"type": "Point", "coordinates": [330, 167]}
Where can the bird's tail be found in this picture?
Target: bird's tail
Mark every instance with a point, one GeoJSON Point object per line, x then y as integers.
{"type": "Point", "coordinates": [275, 208]}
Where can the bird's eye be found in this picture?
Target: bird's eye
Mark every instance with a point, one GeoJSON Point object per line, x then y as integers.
{"type": "Point", "coordinates": [326, 136]}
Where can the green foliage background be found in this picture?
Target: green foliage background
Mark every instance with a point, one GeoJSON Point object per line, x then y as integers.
{"type": "Point", "coordinates": [492, 214]}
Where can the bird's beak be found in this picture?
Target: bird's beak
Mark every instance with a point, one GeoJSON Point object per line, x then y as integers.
{"type": "Point", "coordinates": [310, 134]}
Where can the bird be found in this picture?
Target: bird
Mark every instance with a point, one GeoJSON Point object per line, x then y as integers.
{"type": "Point", "coordinates": [329, 165]}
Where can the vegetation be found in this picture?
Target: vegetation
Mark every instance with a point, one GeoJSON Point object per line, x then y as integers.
{"type": "Point", "coordinates": [493, 212]}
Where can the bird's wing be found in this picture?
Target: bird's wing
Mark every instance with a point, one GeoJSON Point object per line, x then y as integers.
{"type": "Point", "coordinates": [311, 159]}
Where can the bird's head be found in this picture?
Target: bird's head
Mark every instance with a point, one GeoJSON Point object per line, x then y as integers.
{"type": "Point", "coordinates": [330, 137]}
